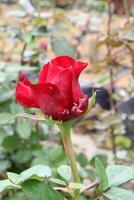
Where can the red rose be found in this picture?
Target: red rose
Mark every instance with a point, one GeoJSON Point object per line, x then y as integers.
{"type": "Point", "coordinates": [57, 93]}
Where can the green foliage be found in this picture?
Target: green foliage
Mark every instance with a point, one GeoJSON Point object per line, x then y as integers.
{"type": "Point", "coordinates": [82, 159]}
{"type": "Point", "coordinates": [5, 118]}
{"type": "Point", "coordinates": [118, 193]}
{"type": "Point", "coordinates": [24, 129]}
{"type": "Point", "coordinates": [119, 174]}
{"type": "Point", "coordinates": [4, 164]}
{"type": "Point", "coordinates": [37, 182]}
{"type": "Point", "coordinates": [61, 46]}
{"type": "Point", "coordinates": [7, 184]}
{"type": "Point", "coordinates": [11, 143]}
{"type": "Point", "coordinates": [23, 132]}
{"type": "Point", "coordinates": [65, 172]}
{"type": "Point", "coordinates": [7, 95]}
{"type": "Point", "coordinates": [101, 156]}
{"type": "Point", "coordinates": [35, 172]}
{"type": "Point", "coordinates": [19, 158]}
{"type": "Point", "coordinates": [76, 186]}
{"type": "Point", "coordinates": [16, 196]}
{"type": "Point", "coordinates": [123, 141]}
{"type": "Point", "coordinates": [36, 190]}
{"type": "Point", "coordinates": [101, 175]}
{"type": "Point", "coordinates": [58, 181]}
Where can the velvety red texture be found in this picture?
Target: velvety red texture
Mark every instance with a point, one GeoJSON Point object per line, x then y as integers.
{"type": "Point", "coordinates": [57, 93]}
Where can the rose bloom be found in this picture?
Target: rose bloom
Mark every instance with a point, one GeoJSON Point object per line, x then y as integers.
{"type": "Point", "coordinates": [57, 94]}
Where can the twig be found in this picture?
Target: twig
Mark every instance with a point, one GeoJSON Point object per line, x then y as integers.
{"type": "Point", "coordinates": [126, 7]}
{"type": "Point", "coordinates": [109, 25]}
{"type": "Point", "coordinates": [3, 175]}
{"type": "Point", "coordinates": [125, 2]}
{"type": "Point", "coordinates": [92, 185]}
{"type": "Point", "coordinates": [132, 56]}
{"type": "Point", "coordinates": [111, 87]}
{"type": "Point", "coordinates": [113, 142]}
{"type": "Point", "coordinates": [97, 198]}
{"type": "Point", "coordinates": [61, 189]}
{"type": "Point", "coordinates": [37, 132]}
{"type": "Point", "coordinates": [88, 187]}
{"type": "Point", "coordinates": [22, 53]}
{"type": "Point", "coordinates": [111, 76]}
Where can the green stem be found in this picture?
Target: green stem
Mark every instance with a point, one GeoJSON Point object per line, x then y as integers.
{"type": "Point", "coordinates": [65, 129]}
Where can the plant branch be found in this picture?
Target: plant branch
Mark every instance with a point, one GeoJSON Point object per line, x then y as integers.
{"type": "Point", "coordinates": [126, 7]}
{"type": "Point", "coordinates": [65, 129]}
{"type": "Point", "coordinates": [132, 56]}
{"type": "Point", "coordinates": [66, 137]}
{"type": "Point", "coordinates": [109, 26]}
{"type": "Point", "coordinates": [111, 76]}
{"type": "Point", "coordinates": [92, 185]}
{"type": "Point", "coordinates": [22, 53]}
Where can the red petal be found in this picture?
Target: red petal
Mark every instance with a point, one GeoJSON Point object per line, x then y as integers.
{"type": "Point", "coordinates": [25, 94]}
{"type": "Point", "coordinates": [80, 108]}
{"type": "Point", "coordinates": [43, 73]}
{"type": "Point", "coordinates": [51, 101]}
{"type": "Point", "coordinates": [79, 98]}
{"type": "Point", "coordinates": [63, 81]}
{"type": "Point", "coordinates": [79, 68]}
{"type": "Point", "coordinates": [55, 66]}
{"type": "Point", "coordinates": [66, 61]}
{"type": "Point", "coordinates": [63, 61]}
{"type": "Point", "coordinates": [76, 90]}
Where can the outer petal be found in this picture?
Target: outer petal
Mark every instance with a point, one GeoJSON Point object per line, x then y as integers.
{"type": "Point", "coordinates": [62, 78]}
{"type": "Point", "coordinates": [80, 108]}
{"type": "Point", "coordinates": [63, 61]}
{"type": "Point", "coordinates": [63, 81]}
{"type": "Point", "coordinates": [25, 94]}
{"type": "Point", "coordinates": [55, 66]}
{"type": "Point", "coordinates": [80, 100]}
{"type": "Point", "coordinates": [66, 61]}
{"type": "Point", "coordinates": [76, 90]}
{"type": "Point", "coordinates": [51, 101]}
{"type": "Point", "coordinates": [44, 73]}
{"type": "Point", "coordinates": [79, 67]}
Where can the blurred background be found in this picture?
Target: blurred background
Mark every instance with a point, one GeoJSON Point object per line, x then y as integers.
{"type": "Point", "coordinates": [99, 32]}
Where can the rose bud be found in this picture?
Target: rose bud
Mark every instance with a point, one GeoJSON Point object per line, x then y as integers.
{"type": "Point", "coordinates": [42, 44]}
{"type": "Point", "coordinates": [22, 75]}
{"type": "Point", "coordinates": [57, 94]}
